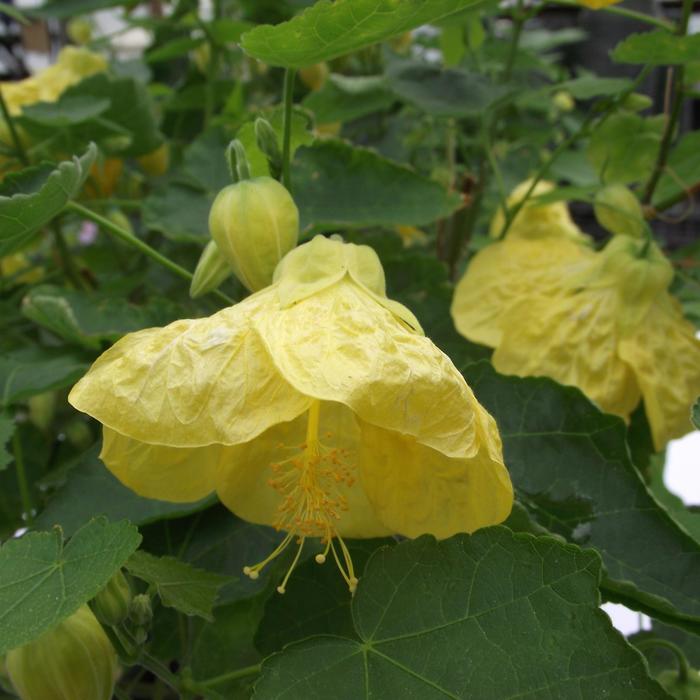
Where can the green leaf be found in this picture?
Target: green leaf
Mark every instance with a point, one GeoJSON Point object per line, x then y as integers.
{"type": "Point", "coordinates": [695, 413]}
{"type": "Point", "coordinates": [42, 581]}
{"type": "Point", "coordinates": [658, 48]}
{"type": "Point", "coordinates": [64, 112]}
{"type": "Point", "coordinates": [91, 490]}
{"type": "Point", "coordinates": [328, 30]}
{"type": "Point", "coordinates": [589, 86]}
{"type": "Point", "coordinates": [338, 185]}
{"type": "Point", "coordinates": [71, 8]}
{"type": "Point", "coordinates": [571, 468]}
{"type": "Point", "coordinates": [30, 199]}
{"type": "Point", "coordinates": [343, 98]}
{"type": "Point", "coordinates": [90, 318]}
{"type": "Point", "coordinates": [625, 146]}
{"type": "Point", "coordinates": [13, 12]}
{"type": "Point", "coordinates": [682, 171]}
{"type": "Point", "coordinates": [492, 615]}
{"type": "Point", "coordinates": [7, 430]}
{"type": "Point", "coordinates": [179, 585]}
{"type": "Point", "coordinates": [173, 49]}
{"type": "Point", "coordinates": [33, 370]}
{"type": "Point", "coordinates": [444, 93]}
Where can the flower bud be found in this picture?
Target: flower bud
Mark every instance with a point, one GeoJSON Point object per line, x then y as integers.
{"type": "Point", "coordinates": [637, 102]}
{"type": "Point", "coordinates": [73, 660]}
{"type": "Point", "coordinates": [79, 31]}
{"type": "Point", "coordinates": [254, 224]}
{"type": "Point", "coordinates": [618, 211]}
{"type": "Point", "coordinates": [111, 605]}
{"type": "Point", "coordinates": [140, 610]}
{"type": "Point", "coordinates": [156, 162]}
{"type": "Point", "coordinates": [563, 101]}
{"type": "Point", "coordinates": [314, 76]}
{"type": "Point", "coordinates": [212, 269]}
{"type": "Point", "coordinates": [42, 409]}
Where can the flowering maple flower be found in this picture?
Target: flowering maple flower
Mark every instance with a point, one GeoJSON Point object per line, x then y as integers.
{"type": "Point", "coordinates": [613, 330]}
{"type": "Point", "coordinates": [316, 405]}
{"type": "Point", "coordinates": [542, 248]}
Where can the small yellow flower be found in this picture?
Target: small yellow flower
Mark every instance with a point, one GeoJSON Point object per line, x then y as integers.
{"type": "Point", "coordinates": [613, 330]}
{"type": "Point", "coordinates": [542, 248]}
{"type": "Point", "coordinates": [316, 406]}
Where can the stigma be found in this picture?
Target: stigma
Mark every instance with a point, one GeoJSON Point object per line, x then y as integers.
{"type": "Point", "coordinates": [310, 484]}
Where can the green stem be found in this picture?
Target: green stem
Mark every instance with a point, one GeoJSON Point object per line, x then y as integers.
{"type": "Point", "coordinates": [22, 481]}
{"type": "Point", "coordinates": [144, 248]}
{"type": "Point", "coordinates": [231, 676]}
{"type": "Point", "coordinates": [676, 109]}
{"type": "Point", "coordinates": [19, 148]}
{"type": "Point", "coordinates": [288, 97]}
{"type": "Point", "coordinates": [683, 665]}
{"type": "Point", "coordinates": [67, 262]}
{"type": "Point", "coordinates": [518, 24]}
{"type": "Point", "coordinates": [622, 12]}
{"type": "Point", "coordinates": [150, 663]}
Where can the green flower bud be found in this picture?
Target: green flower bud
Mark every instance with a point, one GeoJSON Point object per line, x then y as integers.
{"type": "Point", "coordinates": [42, 408]}
{"type": "Point", "coordinates": [212, 269]}
{"type": "Point", "coordinates": [680, 688]}
{"type": "Point", "coordinates": [119, 218]}
{"type": "Point", "coordinates": [140, 610]}
{"type": "Point", "coordinates": [636, 102]}
{"type": "Point", "coordinates": [618, 211]}
{"type": "Point", "coordinates": [254, 224]}
{"type": "Point", "coordinates": [79, 31]}
{"type": "Point", "coordinates": [111, 605]}
{"type": "Point", "coordinates": [78, 433]}
{"type": "Point", "coordinates": [563, 101]}
{"type": "Point", "coordinates": [72, 661]}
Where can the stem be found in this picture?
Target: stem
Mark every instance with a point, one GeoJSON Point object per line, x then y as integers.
{"type": "Point", "coordinates": [64, 254]}
{"type": "Point", "coordinates": [19, 148]}
{"type": "Point", "coordinates": [150, 663]}
{"type": "Point", "coordinates": [676, 108]}
{"type": "Point", "coordinates": [518, 24]}
{"type": "Point", "coordinates": [231, 676]}
{"type": "Point", "coordinates": [623, 12]}
{"type": "Point", "coordinates": [288, 97]}
{"type": "Point", "coordinates": [683, 666]}
{"type": "Point", "coordinates": [144, 248]}
{"type": "Point", "coordinates": [22, 482]}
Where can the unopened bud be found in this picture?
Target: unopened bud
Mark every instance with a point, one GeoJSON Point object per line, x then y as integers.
{"type": "Point", "coordinates": [212, 269]}
{"type": "Point", "coordinates": [618, 211]}
{"type": "Point", "coordinates": [111, 605]}
{"type": "Point", "coordinates": [73, 660]}
{"type": "Point", "coordinates": [636, 102]}
{"type": "Point", "coordinates": [42, 408]}
{"type": "Point", "coordinates": [79, 31]}
{"type": "Point", "coordinates": [563, 101]}
{"type": "Point", "coordinates": [254, 224]}
{"type": "Point", "coordinates": [268, 142]}
{"type": "Point", "coordinates": [140, 610]}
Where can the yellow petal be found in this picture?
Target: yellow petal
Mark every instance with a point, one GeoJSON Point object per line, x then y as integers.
{"type": "Point", "coordinates": [178, 474]}
{"type": "Point", "coordinates": [664, 354]}
{"type": "Point", "coordinates": [417, 490]}
{"type": "Point", "coordinates": [572, 339]}
{"type": "Point", "coordinates": [341, 345]}
{"type": "Point", "coordinates": [192, 383]}
{"type": "Point", "coordinates": [246, 470]}
{"type": "Point", "coordinates": [506, 272]}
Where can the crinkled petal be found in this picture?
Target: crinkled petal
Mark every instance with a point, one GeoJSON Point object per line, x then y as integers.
{"type": "Point", "coordinates": [341, 345]}
{"type": "Point", "coordinates": [415, 489]}
{"type": "Point", "coordinates": [572, 339]}
{"type": "Point", "coordinates": [503, 274]}
{"type": "Point", "coordinates": [664, 354]}
{"type": "Point", "coordinates": [178, 474]}
{"type": "Point", "coordinates": [192, 383]}
{"type": "Point", "coordinates": [246, 470]}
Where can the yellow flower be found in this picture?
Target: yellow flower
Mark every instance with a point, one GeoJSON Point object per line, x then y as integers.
{"type": "Point", "coordinates": [316, 406]}
{"type": "Point", "coordinates": [597, 4]}
{"type": "Point", "coordinates": [614, 331]}
{"type": "Point", "coordinates": [535, 220]}
{"type": "Point", "coordinates": [543, 246]}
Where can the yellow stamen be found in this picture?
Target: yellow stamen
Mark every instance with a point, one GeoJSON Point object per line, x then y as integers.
{"type": "Point", "coordinates": [311, 500]}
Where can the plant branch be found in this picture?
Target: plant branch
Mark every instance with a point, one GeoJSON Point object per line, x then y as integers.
{"type": "Point", "coordinates": [231, 676]}
{"type": "Point", "coordinates": [676, 109]}
{"type": "Point", "coordinates": [137, 243]}
{"type": "Point", "coordinates": [23, 483]}
{"type": "Point", "coordinates": [288, 98]}
{"type": "Point", "coordinates": [19, 148]}
{"type": "Point", "coordinates": [683, 666]}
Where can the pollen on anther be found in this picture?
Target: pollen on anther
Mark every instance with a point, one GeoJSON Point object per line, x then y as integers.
{"type": "Point", "coordinates": [320, 558]}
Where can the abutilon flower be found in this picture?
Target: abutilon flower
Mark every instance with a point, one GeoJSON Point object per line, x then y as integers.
{"type": "Point", "coordinates": [543, 247]}
{"type": "Point", "coordinates": [316, 405]}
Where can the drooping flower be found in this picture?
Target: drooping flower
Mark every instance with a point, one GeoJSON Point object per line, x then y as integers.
{"type": "Point", "coordinates": [613, 330]}
{"type": "Point", "coordinates": [542, 248]}
{"type": "Point", "coordinates": [316, 406]}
